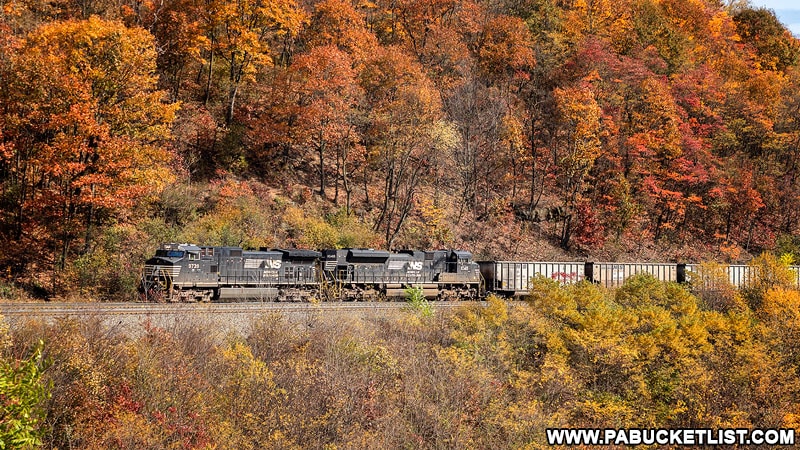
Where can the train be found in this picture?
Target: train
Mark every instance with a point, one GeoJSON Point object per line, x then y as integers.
{"type": "Point", "coordinates": [192, 273]}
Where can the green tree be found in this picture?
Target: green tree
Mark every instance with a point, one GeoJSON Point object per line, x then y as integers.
{"type": "Point", "coordinates": [22, 393]}
{"type": "Point", "coordinates": [776, 48]}
{"type": "Point", "coordinates": [417, 302]}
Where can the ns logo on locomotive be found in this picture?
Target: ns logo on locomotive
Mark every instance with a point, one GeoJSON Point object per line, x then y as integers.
{"type": "Point", "coordinates": [189, 273]}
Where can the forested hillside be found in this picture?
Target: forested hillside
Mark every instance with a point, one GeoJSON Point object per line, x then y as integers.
{"type": "Point", "coordinates": [648, 129]}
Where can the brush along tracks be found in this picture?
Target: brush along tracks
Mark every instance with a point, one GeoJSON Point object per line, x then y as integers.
{"type": "Point", "coordinates": [41, 309]}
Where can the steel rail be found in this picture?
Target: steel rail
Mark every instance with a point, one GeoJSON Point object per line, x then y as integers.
{"type": "Point", "coordinates": [34, 309]}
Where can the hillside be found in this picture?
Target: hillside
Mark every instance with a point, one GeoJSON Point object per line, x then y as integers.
{"type": "Point", "coordinates": [532, 129]}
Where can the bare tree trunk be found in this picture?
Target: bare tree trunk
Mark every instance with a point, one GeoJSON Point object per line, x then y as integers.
{"type": "Point", "coordinates": [336, 178]}
{"type": "Point", "coordinates": [89, 223]}
{"type": "Point", "coordinates": [348, 188]}
{"type": "Point", "coordinates": [234, 89]}
{"type": "Point", "coordinates": [566, 232]}
{"type": "Point", "coordinates": [533, 201]}
{"type": "Point", "coordinates": [321, 152]}
{"type": "Point", "coordinates": [367, 203]}
{"type": "Point", "coordinates": [210, 72]}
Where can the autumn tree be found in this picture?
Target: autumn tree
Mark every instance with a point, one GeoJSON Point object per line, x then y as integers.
{"type": "Point", "coordinates": [417, 22]}
{"type": "Point", "coordinates": [788, 127]}
{"type": "Point", "coordinates": [608, 19]}
{"type": "Point", "coordinates": [178, 29]}
{"type": "Point", "coordinates": [477, 112]}
{"type": "Point", "coordinates": [247, 29]}
{"type": "Point", "coordinates": [339, 23]}
{"type": "Point", "coordinates": [485, 105]}
{"type": "Point", "coordinates": [83, 132]}
{"type": "Point", "coordinates": [327, 96]}
{"type": "Point", "coordinates": [502, 48]}
{"type": "Point", "coordinates": [311, 105]}
{"type": "Point", "coordinates": [240, 38]}
{"type": "Point", "coordinates": [406, 132]}
{"type": "Point", "coordinates": [578, 145]}
{"type": "Point", "coordinates": [776, 48]}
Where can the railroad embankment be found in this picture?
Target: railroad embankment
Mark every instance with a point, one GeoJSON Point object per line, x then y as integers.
{"type": "Point", "coordinates": [221, 319]}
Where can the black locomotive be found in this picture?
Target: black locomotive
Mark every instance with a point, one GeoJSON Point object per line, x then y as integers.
{"type": "Point", "coordinates": [360, 274]}
{"type": "Point", "coordinates": [186, 272]}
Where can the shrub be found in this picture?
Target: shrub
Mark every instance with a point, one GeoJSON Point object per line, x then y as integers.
{"type": "Point", "coordinates": [768, 271]}
{"type": "Point", "coordinates": [22, 395]}
{"type": "Point", "coordinates": [711, 283]}
{"type": "Point", "coordinates": [418, 304]}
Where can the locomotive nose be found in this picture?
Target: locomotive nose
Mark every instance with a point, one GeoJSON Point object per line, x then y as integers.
{"type": "Point", "coordinates": [157, 279]}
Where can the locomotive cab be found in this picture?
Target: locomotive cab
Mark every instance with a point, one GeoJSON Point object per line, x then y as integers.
{"type": "Point", "coordinates": [179, 272]}
{"type": "Point", "coordinates": [459, 261]}
{"type": "Point", "coordinates": [460, 269]}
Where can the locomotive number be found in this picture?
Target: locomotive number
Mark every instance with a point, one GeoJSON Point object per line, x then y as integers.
{"type": "Point", "coordinates": [415, 265]}
{"type": "Point", "coordinates": [194, 266]}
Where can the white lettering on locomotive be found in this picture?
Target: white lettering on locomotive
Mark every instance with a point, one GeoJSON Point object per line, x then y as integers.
{"type": "Point", "coordinates": [272, 263]}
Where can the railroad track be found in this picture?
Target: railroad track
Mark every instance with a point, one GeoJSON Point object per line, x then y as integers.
{"type": "Point", "coordinates": [41, 309]}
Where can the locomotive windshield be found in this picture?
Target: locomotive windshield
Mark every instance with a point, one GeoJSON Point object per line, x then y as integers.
{"type": "Point", "coordinates": [170, 253]}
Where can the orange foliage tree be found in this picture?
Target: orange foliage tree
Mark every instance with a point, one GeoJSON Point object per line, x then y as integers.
{"type": "Point", "coordinates": [405, 131]}
{"type": "Point", "coordinates": [84, 128]}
